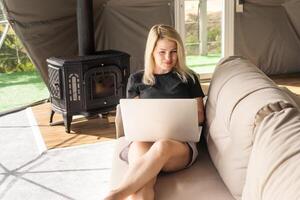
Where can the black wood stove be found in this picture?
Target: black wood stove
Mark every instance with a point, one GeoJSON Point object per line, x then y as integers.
{"type": "Point", "coordinates": [90, 83]}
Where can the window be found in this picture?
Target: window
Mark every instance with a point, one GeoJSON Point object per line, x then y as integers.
{"type": "Point", "coordinates": [201, 25]}
{"type": "Point", "coordinates": [20, 84]}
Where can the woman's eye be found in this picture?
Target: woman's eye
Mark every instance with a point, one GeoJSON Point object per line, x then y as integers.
{"type": "Point", "coordinates": [162, 52]}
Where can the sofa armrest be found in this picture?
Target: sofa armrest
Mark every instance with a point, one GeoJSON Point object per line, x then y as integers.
{"type": "Point", "coordinates": [240, 98]}
{"type": "Point", "coordinates": [119, 123]}
{"type": "Point", "coordinates": [273, 170]}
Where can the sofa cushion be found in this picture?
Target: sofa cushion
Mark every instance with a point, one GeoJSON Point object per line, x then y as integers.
{"type": "Point", "coordinates": [275, 159]}
{"type": "Point", "coordinates": [199, 182]}
{"type": "Point", "coordinates": [238, 90]}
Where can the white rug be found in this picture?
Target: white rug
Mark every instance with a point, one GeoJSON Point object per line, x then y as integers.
{"type": "Point", "coordinates": [27, 171]}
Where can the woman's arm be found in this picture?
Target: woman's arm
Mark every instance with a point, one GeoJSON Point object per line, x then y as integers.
{"type": "Point", "coordinates": [201, 116]}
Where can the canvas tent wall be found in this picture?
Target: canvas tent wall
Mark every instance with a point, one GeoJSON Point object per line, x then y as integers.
{"type": "Point", "coordinates": [267, 32]}
{"type": "Point", "coordinates": [48, 28]}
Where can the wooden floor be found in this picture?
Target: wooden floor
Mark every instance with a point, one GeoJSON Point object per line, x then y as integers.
{"type": "Point", "coordinates": [291, 81]}
{"type": "Point", "coordinates": [83, 131]}
{"type": "Point", "coordinates": [98, 129]}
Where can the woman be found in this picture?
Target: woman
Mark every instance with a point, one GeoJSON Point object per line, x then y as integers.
{"type": "Point", "coordinates": [165, 76]}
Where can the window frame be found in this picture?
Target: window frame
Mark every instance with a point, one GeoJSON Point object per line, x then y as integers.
{"type": "Point", "coordinates": [227, 24]}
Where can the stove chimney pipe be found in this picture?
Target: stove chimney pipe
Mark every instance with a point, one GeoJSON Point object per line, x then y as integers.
{"type": "Point", "coordinates": [85, 27]}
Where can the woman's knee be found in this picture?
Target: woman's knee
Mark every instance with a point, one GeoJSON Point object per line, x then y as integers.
{"type": "Point", "coordinates": [163, 147]}
{"type": "Point", "coordinates": [137, 149]}
{"type": "Point", "coordinates": [176, 154]}
{"type": "Point", "coordinates": [140, 145]}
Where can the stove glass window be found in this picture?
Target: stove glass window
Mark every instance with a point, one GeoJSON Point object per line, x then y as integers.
{"type": "Point", "coordinates": [103, 85]}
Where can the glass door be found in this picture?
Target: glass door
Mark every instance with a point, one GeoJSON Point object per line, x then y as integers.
{"type": "Point", "coordinates": [201, 30]}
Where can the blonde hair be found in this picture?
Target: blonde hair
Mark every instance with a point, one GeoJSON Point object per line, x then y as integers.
{"type": "Point", "coordinates": [157, 32]}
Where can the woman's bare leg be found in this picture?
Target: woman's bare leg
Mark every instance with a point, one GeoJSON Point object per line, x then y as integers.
{"type": "Point", "coordinates": [137, 150]}
{"type": "Point", "coordinates": [166, 155]}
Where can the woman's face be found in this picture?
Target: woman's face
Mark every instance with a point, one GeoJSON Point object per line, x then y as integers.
{"type": "Point", "coordinates": [165, 56]}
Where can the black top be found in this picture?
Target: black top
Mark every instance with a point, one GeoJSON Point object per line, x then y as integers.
{"type": "Point", "coordinates": [167, 85]}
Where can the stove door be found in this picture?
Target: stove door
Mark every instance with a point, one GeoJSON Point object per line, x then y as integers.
{"type": "Point", "coordinates": [103, 87]}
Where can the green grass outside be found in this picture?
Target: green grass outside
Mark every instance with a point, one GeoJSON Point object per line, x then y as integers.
{"type": "Point", "coordinates": [203, 64]}
{"type": "Point", "coordinates": [21, 88]}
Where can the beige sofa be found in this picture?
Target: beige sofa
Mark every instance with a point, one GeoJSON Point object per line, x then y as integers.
{"type": "Point", "coordinates": [251, 144]}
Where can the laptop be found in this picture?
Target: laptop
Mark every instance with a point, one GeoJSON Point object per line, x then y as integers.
{"type": "Point", "coordinates": [154, 119]}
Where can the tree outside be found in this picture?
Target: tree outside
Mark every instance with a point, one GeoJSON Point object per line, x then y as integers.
{"type": "Point", "coordinates": [13, 57]}
{"type": "Point", "coordinates": [20, 84]}
{"type": "Point", "coordinates": [213, 34]}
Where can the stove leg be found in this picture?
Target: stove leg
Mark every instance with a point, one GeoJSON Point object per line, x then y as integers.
{"type": "Point", "coordinates": [51, 116]}
{"type": "Point", "coordinates": [67, 122]}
